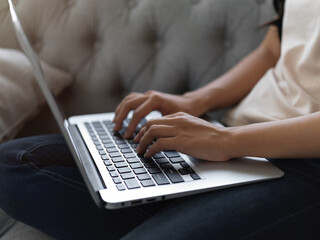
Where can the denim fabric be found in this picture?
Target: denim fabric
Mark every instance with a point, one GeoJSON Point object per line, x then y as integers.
{"type": "Point", "coordinates": [40, 186]}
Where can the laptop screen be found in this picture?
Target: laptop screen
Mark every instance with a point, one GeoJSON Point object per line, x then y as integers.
{"type": "Point", "coordinates": [38, 71]}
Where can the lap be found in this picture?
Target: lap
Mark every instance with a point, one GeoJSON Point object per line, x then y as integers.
{"type": "Point", "coordinates": [41, 186]}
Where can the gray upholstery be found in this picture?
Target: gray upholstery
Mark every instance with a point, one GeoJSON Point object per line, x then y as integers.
{"type": "Point", "coordinates": [112, 47]}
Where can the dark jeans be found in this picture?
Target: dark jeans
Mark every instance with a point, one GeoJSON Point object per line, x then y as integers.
{"type": "Point", "coordinates": [40, 186]}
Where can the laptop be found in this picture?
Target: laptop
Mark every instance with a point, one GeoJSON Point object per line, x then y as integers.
{"type": "Point", "coordinates": [113, 172]}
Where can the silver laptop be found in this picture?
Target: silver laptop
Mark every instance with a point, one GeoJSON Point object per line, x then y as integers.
{"type": "Point", "coordinates": [117, 177]}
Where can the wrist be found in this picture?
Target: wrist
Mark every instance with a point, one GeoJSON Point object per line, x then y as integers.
{"type": "Point", "coordinates": [199, 102]}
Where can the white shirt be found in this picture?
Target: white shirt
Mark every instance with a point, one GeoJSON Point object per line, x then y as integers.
{"type": "Point", "coordinates": [292, 88]}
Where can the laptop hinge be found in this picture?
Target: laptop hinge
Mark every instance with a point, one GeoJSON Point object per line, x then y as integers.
{"type": "Point", "coordinates": [88, 169]}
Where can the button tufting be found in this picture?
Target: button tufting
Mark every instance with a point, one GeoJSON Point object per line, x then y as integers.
{"type": "Point", "coordinates": [132, 3]}
{"type": "Point", "coordinates": [70, 3]}
{"type": "Point", "coordinates": [158, 45]}
{"type": "Point", "coordinates": [228, 44]}
{"type": "Point", "coordinates": [97, 45]}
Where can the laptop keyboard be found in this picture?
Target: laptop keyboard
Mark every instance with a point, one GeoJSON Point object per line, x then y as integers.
{"type": "Point", "coordinates": [130, 170]}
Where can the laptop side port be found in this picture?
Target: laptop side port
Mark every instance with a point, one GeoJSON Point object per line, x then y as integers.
{"type": "Point", "coordinates": [136, 202]}
{"type": "Point", "coordinates": [151, 200]}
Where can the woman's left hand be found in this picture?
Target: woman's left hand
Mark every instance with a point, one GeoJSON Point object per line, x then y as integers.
{"type": "Point", "coordinates": [186, 134]}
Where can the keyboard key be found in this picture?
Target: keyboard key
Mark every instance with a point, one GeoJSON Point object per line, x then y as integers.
{"type": "Point", "coordinates": [111, 168]}
{"type": "Point", "coordinates": [121, 187]}
{"type": "Point", "coordinates": [186, 171]}
{"type": "Point", "coordinates": [166, 166]}
{"type": "Point", "coordinates": [126, 150]}
{"type": "Point", "coordinates": [154, 170]}
{"type": "Point", "coordinates": [173, 175]}
{"type": "Point", "coordinates": [124, 170]}
{"type": "Point", "coordinates": [158, 156]}
{"type": "Point", "coordinates": [111, 150]}
{"type": "Point", "coordinates": [117, 180]}
{"type": "Point", "coordinates": [177, 160]}
{"type": "Point", "coordinates": [115, 154]}
{"type": "Point", "coordinates": [171, 154]}
{"type": "Point", "coordinates": [136, 165]}
{"type": "Point", "coordinates": [109, 145]}
{"type": "Point", "coordinates": [107, 163]}
{"type": "Point", "coordinates": [184, 165]}
{"type": "Point", "coordinates": [97, 143]}
{"type": "Point", "coordinates": [107, 141]}
{"type": "Point", "coordinates": [126, 176]}
{"type": "Point", "coordinates": [147, 160]}
{"type": "Point", "coordinates": [132, 183]}
{"type": "Point", "coordinates": [142, 177]}
{"type": "Point", "coordinates": [129, 155]}
{"type": "Point", "coordinates": [162, 160]}
{"type": "Point", "coordinates": [195, 176]}
{"type": "Point", "coordinates": [120, 141]}
{"type": "Point", "coordinates": [133, 160]}
{"type": "Point", "coordinates": [104, 137]}
{"type": "Point", "coordinates": [147, 183]}
{"type": "Point", "coordinates": [99, 147]}
{"type": "Point", "coordinates": [139, 171]}
{"type": "Point", "coordinates": [123, 146]}
{"type": "Point", "coordinates": [102, 152]}
{"type": "Point", "coordinates": [121, 164]}
{"type": "Point", "coordinates": [104, 157]}
{"type": "Point", "coordinates": [117, 159]}
{"type": "Point", "coordinates": [150, 165]}
{"type": "Point", "coordinates": [114, 174]}
{"type": "Point", "coordinates": [160, 179]}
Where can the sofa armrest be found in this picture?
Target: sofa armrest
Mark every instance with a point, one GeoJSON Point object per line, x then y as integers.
{"type": "Point", "coordinates": [20, 95]}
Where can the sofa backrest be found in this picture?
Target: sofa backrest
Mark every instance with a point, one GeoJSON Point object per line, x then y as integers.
{"type": "Point", "coordinates": [112, 47]}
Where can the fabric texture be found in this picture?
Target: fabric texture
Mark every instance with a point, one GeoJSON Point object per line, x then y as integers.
{"type": "Point", "coordinates": [20, 95]}
{"type": "Point", "coordinates": [292, 88]}
{"type": "Point", "coordinates": [42, 191]}
{"type": "Point", "coordinates": [112, 47]}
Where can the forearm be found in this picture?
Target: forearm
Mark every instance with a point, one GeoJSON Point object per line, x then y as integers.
{"type": "Point", "coordinates": [233, 86]}
{"type": "Point", "coordinates": [292, 138]}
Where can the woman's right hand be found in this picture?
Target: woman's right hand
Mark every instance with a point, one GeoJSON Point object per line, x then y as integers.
{"type": "Point", "coordinates": [144, 103]}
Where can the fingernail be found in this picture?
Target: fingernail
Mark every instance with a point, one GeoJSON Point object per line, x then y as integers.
{"type": "Point", "coordinates": [147, 154]}
{"type": "Point", "coordinates": [126, 135]}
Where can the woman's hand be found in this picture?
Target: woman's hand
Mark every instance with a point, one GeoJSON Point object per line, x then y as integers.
{"type": "Point", "coordinates": [143, 104]}
{"type": "Point", "coordinates": [186, 134]}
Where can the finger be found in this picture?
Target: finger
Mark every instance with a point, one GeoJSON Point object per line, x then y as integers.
{"type": "Point", "coordinates": [171, 143]}
{"type": "Point", "coordinates": [155, 132]}
{"type": "Point", "coordinates": [126, 99]}
{"type": "Point", "coordinates": [125, 109]}
{"type": "Point", "coordinates": [143, 110]}
{"type": "Point", "coordinates": [140, 134]}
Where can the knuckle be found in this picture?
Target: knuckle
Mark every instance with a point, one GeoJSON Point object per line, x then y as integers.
{"type": "Point", "coordinates": [152, 129]}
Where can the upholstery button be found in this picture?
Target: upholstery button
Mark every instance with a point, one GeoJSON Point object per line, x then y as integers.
{"type": "Point", "coordinates": [195, 1]}
{"type": "Point", "coordinates": [260, 1]}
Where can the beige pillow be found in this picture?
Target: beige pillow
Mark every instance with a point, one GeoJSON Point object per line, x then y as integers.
{"type": "Point", "coordinates": [20, 95]}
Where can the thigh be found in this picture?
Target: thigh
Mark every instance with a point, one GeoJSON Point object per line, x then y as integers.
{"type": "Point", "coordinates": [286, 208]}
{"type": "Point", "coordinates": [41, 187]}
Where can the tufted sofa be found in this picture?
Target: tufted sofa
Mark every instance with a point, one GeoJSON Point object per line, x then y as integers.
{"type": "Point", "coordinates": [96, 51]}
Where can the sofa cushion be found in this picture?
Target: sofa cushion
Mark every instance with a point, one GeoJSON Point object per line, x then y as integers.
{"type": "Point", "coordinates": [20, 95]}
